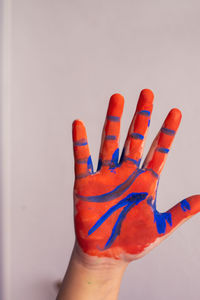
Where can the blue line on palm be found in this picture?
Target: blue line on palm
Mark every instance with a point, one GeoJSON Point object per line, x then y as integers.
{"type": "Point", "coordinates": [128, 202]}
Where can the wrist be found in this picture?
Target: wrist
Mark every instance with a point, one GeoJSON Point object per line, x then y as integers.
{"type": "Point", "coordinates": [97, 264]}
{"type": "Point", "coordinates": [95, 277]}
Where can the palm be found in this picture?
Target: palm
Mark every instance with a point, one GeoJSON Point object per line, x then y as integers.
{"type": "Point", "coordinates": [115, 208]}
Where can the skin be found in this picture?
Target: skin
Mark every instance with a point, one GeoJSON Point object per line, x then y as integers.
{"type": "Point", "coordinates": [115, 214]}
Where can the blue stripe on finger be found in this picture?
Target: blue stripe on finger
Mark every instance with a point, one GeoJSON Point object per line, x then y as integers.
{"type": "Point", "coordinates": [168, 131]}
{"type": "Point", "coordinates": [137, 136]}
{"type": "Point", "coordinates": [113, 118]}
{"type": "Point", "coordinates": [163, 150]}
{"type": "Point", "coordinates": [145, 113]}
{"type": "Point", "coordinates": [111, 137]}
{"type": "Point", "coordinates": [81, 142]}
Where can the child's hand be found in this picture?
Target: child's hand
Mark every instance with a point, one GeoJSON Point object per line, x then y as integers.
{"type": "Point", "coordinates": [115, 207]}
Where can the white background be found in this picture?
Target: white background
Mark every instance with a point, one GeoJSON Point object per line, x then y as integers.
{"type": "Point", "coordinates": [66, 59]}
{"type": "Point", "coordinates": [1, 196]}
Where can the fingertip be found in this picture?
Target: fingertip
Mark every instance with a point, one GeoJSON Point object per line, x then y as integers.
{"type": "Point", "coordinates": [78, 130]}
{"type": "Point", "coordinates": [194, 202]}
{"type": "Point", "coordinates": [116, 104]}
{"type": "Point", "coordinates": [173, 119]}
{"type": "Point", "coordinates": [117, 99]}
{"type": "Point", "coordinates": [147, 94]}
{"type": "Point", "coordinates": [77, 122]}
{"type": "Point", "coordinates": [175, 115]}
{"type": "Point", "coordinates": [145, 101]}
{"type": "Point", "coordinates": [176, 112]}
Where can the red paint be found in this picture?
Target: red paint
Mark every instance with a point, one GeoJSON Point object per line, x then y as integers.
{"type": "Point", "coordinates": [138, 229]}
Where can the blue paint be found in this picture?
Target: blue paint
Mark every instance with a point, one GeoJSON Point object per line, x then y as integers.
{"type": "Point", "coordinates": [115, 193]}
{"type": "Point", "coordinates": [134, 161]}
{"type": "Point", "coordinates": [168, 131]}
{"type": "Point", "coordinates": [149, 121]}
{"type": "Point", "coordinates": [104, 217]}
{"type": "Point", "coordinates": [114, 160]}
{"type": "Point", "coordinates": [137, 136]}
{"type": "Point", "coordinates": [81, 142]}
{"type": "Point", "coordinates": [145, 113]}
{"type": "Point", "coordinates": [163, 150]}
{"type": "Point", "coordinates": [99, 164]}
{"type": "Point", "coordinates": [90, 165]}
{"type": "Point", "coordinates": [125, 158]}
{"type": "Point", "coordinates": [159, 218]}
{"type": "Point", "coordinates": [113, 163]}
{"type": "Point", "coordinates": [110, 137]}
{"type": "Point", "coordinates": [117, 227]}
{"type": "Point", "coordinates": [185, 205]}
{"type": "Point", "coordinates": [113, 118]}
{"type": "Point", "coordinates": [129, 201]}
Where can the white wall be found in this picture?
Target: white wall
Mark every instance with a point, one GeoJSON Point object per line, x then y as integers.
{"type": "Point", "coordinates": [5, 149]}
{"type": "Point", "coordinates": [1, 204]}
{"type": "Point", "coordinates": [67, 58]}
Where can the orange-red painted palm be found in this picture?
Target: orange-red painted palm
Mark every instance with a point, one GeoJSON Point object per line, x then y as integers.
{"type": "Point", "coordinates": [115, 207]}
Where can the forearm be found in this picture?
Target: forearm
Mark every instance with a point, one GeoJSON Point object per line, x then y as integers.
{"type": "Point", "coordinates": [93, 278]}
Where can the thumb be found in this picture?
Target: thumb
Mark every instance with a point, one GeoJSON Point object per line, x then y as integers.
{"type": "Point", "coordinates": [182, 211]}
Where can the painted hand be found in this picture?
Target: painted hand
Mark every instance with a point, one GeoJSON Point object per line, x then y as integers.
{"type": "Point", "coordinates": [115, 207]}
